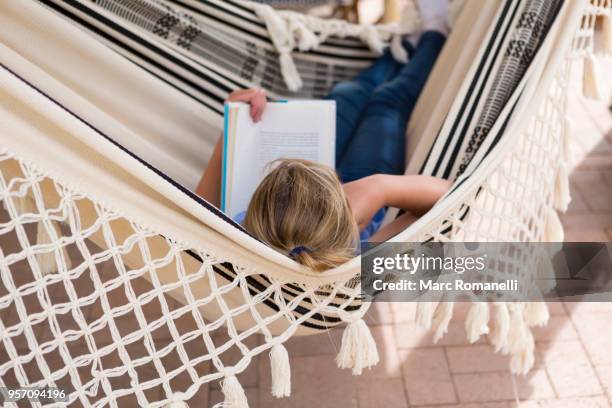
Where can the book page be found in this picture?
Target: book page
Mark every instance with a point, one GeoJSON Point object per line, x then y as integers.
{"type": "Point", "coordinates": [294, 130]}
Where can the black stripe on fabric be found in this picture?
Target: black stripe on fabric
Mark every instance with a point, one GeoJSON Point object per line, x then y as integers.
{"type": "Point", "coordinates": [451, 163]}
{"type": "Point", "coordinates": [139, 40]}
{"type": "Point", "coordinates": [256, 288]}
{"type": "Point", "coordinates": [268, 40]}
{"type": "Point", "coordinates": [474, 84]}
{"type": "Point", "coordinates": [501, 132]}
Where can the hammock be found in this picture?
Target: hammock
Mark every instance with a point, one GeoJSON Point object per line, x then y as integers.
{"type": "Point", "coordinates": [108, 110]}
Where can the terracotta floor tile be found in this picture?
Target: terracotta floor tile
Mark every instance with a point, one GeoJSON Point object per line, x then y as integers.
{"type": "Point", "coordinates": [578, 204]}
{"type": "Point", "coordinates": [587, 220]}
{"type": "Point", "coordinates": [578, 308]}
{"type": "Point", "coordinates": [604, 373]}
{"type": "Point", "coordinates": [595, 335]}
{"type": "Point", "coordinates": [379, 313]}
{"type": "Point", "coordinates": [570, 370]}
{"type": "Point", "coordinates": [427, 377]}
{"type": "Point", "coordinates": [381, 393]}
{"type": "Point", "coordinates": [556, 308]}
{"type": "Point", "coordinates": [408, 335]}
{"type": "Point", "coordinates": [558, 328]}
{"type": "Point", "coordinates": [588, 402]}
{"type": "Point", "coordinates": [482, 387]}
{"type": "Point", "coordinates": [475, 358]}
{"type": "Point", "coordinates": [471, 405]}
{"type": "Point", "coordinates": [323, 343]}
{"type": "Point", "coordinates": [586, 235]}
{"type": "Point", "coordinates": [316, 381]}
{"type": "Point", "coordinates": [403, 312]}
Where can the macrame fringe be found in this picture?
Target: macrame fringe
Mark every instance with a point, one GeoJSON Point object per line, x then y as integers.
{"type": "Point", "coordinates": [520, 343]}
{"type": "Point", "coordinates": [358, 349]}
{"type": "Point", "coordinates": [522, 362]}
{"type": "Point", "coordinates": [554, 229]}
{"type": "Point", "coordinates": [441, 319]}
{"type": "Point", "coordinates": [177, 401]}
{"type": "Point", "coordinates": [281, 371]}
{"type": "Point", "coordinates": [591, 85]}
{"type": "Point", "coordinates": [499, 333]}
{"type": "Point", "coordinates": [234, 393]}
{"type": "Point", "coordinates": [289, 30]}
{"type": "Point", "coordinates": [606, 34]}
{"type": "Point", "coordinates": [290, 73]}
{"type": "Point", "coordinates": [409, 22]}
{"type": "Point", "coordinates": [536, 314]}
{"type": "Point", "coordinates": [424, 314]}
{"type": "Point", "coordinates": [398, 51]}
{"type": "Point", "coordinates": [476, 323]}
{"type": "Point", "coordinates": [371, 37]}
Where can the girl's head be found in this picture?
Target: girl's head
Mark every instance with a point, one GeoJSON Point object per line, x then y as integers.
{"type": "Point", "coordinates": [300, 210]}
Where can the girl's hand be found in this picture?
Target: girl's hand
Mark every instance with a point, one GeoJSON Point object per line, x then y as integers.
{"type": "Point", "coordinates": [254, 97]}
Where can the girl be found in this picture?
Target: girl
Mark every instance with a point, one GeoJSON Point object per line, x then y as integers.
{"type": "Point", "coordinates": [316, 215]}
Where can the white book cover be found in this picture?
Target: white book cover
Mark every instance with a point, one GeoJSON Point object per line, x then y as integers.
{"type": "Point", "coordinates": [291, 130]}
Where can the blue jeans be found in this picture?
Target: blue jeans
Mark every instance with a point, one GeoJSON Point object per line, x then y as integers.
{"type": "Point", "coordinates": [373, 110]}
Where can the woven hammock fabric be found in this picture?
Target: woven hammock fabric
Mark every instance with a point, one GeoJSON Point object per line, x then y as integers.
{"type": "Point", "coordinates": [120, 285]}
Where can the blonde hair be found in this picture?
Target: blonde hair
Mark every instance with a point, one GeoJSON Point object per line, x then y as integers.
{"type": "Point", "coordinates": [300, 209]}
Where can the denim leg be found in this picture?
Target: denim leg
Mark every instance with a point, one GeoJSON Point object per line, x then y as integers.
{"type": "Point", "coordinates": [379, 143]}
{"type": "Point", "coordinates": [352, 96]}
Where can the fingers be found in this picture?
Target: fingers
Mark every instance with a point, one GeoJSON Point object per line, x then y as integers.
{"type": "Point", "coordinates": [254, 97]}
{"type": "Point", "coordinates": [258, 105]}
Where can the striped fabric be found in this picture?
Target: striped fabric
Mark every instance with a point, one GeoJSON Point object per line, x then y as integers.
{"type": "Point", "coordinates": [520, 29]}
{"type": "Point", "coordinates": [208, 48]}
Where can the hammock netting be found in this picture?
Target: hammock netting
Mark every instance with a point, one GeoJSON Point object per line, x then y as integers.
{"type": "Point", "coordinates": [121, 286]}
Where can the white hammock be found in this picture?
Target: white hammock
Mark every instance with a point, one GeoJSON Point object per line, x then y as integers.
{"type": "Point", "coordinates": [93, 146]}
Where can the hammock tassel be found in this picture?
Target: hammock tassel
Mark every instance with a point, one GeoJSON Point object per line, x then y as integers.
{"type": "Point", "coordinates": [562, 195]}
{"type": "Point", "coordinates": [441, 318]}
{"type": "Point", "coordinates": [536, 314]}
{"type": "Point", "coordinates": [591, 85]}
{"type": "Point", "coordinates": [517, 333]}
{"type": "Point", "coordinates": [476, 323]}
{"type": "Point", "coordinates": [554, 228]}
{"type": "Point", "coordinates": [177, 401]}
{"type": "Point", "coordinates": [397, 49]}
{"type": "Point", "coordinates": [234, 393]}
{"type": "Point", "coordinates": [370, 36]}
{"type": "Point", "coordinates": [290, 73]}
{"type": "Point", "coordinates": [606, 34]}
{"type": "Point", "coordinates": [499, 333]}
{"type": "Point", "coordinates": [424, 314]}
{"type": "Point", "coordinates": [281, 371]}
{"type": "Point", "coordinates": [521, 362]}
{"type": "Point", "coordinates": [358, 349]}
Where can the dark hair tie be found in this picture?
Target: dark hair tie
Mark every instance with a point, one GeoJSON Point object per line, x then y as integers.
{"type": "Point", "coordinates": [298, 250]}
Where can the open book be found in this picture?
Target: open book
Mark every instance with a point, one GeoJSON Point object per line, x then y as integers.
{"type": "Point", "coordinates": [294, 129]}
